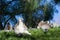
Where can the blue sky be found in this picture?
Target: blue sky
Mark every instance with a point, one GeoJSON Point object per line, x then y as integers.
{"type": "Point", "coordinates": [56, 17]}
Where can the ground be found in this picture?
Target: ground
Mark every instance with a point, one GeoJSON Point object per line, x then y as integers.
{"type": "Point", "coordinates": [37, 34]}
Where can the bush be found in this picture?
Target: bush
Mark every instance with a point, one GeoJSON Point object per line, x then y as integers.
{"type": "Point", "coordinates": [37, 34]}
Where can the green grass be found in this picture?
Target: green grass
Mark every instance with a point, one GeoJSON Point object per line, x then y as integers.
{"type": "Point", "coordinates": [37, 34]}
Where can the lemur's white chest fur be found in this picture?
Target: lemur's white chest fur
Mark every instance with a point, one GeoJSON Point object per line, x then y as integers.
{"type": "Point", "coordinates": [21, 28]}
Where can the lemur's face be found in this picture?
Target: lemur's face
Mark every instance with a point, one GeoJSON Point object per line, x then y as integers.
{"type": "Point", "coordinates": [20, 20]}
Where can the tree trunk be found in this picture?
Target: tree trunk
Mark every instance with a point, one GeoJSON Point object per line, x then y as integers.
{"type": "Point", "coordinates": [30, 20]}
{"type": "Point", "coordinates": [1, 26]}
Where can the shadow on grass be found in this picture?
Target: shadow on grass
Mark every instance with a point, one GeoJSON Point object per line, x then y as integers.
{"type": "Point", "coordinates": [13, 35]}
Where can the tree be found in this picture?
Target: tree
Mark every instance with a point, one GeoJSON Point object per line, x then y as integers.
{"type": "Point", "coordinates": [1, 26]}
{"type": "Point", "coordinates": [30, 7]}
{"type": "Point", "coordinates": [10, 8]}
{"type": "Point", "coordinates": [48, 12]}
{"type": "Point", "coordinates": [27, 7]}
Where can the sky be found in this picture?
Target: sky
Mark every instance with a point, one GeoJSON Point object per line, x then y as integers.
{"type": "Point", "coordinates": [56, 17]}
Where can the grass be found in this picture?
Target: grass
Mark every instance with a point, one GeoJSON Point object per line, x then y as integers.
{"type": "Point", "coordinates": [37, 34]}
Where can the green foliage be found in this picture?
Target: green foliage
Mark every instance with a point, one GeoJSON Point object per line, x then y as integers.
{"type": "Point", "coordinates": [37, 34]}
{"type": "Point", "coordinates": [48, 12]}
{"type": "Point", "coordinates": [27, 7]}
